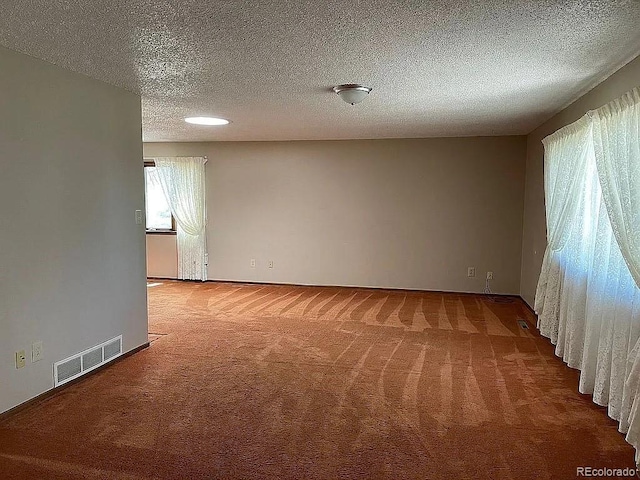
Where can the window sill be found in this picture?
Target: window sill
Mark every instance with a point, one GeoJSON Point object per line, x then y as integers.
{"type": "Point", "coordinates": [161, 232]}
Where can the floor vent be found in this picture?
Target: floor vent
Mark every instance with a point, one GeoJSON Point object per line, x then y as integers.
{"type": "Point", "coordinates": [77, 365]}
{"type": "Point", "coordinates": [523, 324]}
{"type": "Point", "coordinates": [502, 299]}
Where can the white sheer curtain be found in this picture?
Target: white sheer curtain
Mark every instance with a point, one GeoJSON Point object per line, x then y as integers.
{"type": "Point", "coordinates": [616, 139]}
{"type": "Point", "coordinates": [183, 183]}
{"type": "Point", "coordinates": [617, 150]}
{"type": "Point", "coordinates": [566, 154]}
{"type": "Point", "coordinates": [587, 300]}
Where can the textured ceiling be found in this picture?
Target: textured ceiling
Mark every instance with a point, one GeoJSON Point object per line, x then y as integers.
{"type": "Point", "coordinates": [437, 68]}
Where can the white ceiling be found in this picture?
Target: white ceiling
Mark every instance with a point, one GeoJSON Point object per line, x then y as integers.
{"type": "Point", "coordinates": [437, 68]}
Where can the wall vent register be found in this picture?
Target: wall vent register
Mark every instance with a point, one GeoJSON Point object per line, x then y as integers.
{"type": "Point", "coordinates": [77, 365]}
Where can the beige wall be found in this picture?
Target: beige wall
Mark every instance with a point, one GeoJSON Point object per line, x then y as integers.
{"type": "Point", "coordinates": [534, 232]}
{"type": "Point", "coordinates": [72, 265]}
{"type": "Point", "coordinates": [412, 213]}
{"type": "Point", "coordinates": [162, 256]}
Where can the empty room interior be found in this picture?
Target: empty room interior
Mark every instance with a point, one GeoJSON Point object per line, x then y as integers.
{"type": "Point", "coordinates": [319, 240]}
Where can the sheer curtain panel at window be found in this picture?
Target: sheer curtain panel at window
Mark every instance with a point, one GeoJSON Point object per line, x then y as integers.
{"type": "Point", "coordinates": [616, 134]}
{"type": "Point", "coordinates": [616, 129]}
{"type": "Point", "coordinates": [183, 183]}
{"type": "Point", "coordinates": [566, 154]}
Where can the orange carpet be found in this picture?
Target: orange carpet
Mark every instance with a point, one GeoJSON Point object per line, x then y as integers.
{"type": "Point", "coordinates": [279, 382]}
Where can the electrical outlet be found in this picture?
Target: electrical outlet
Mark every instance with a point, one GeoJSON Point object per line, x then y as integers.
{"type": "Point", "coordinates": [270, 264]}
{"type": "Point", "coordinates": [489, 275]}
{"type": "Point", "coordinates": [253, 263]}
{"type": "Point", "coordinates": [36, 352]}
{"type": "Point", "coordinates": [138, 217]}
{"type": "Point", "coordinates": [471, 272]}
{"type": "Point", "coordinates": [20, 359]}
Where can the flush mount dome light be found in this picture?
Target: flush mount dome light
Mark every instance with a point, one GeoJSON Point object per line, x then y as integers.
{"type": "Point", "coordinates": [206, 121]}
{"type": "Point", "coordinates": [352, 92]}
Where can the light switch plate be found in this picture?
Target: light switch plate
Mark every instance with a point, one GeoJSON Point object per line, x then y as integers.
{"type": "Point", "coordinates": [36, 352]}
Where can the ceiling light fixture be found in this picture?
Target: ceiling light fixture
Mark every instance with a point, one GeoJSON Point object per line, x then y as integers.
{"type": "Point", "coordinates": [352, 92]}
{"type": "Point", "coordinates": [206, 121]}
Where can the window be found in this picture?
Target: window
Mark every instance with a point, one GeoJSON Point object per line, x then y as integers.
{"type": "Point", "coordinates": [158, 213]}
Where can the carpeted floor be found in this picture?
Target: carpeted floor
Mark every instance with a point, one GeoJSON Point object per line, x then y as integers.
{"type": "Point", "coordinates": [279, 382]}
